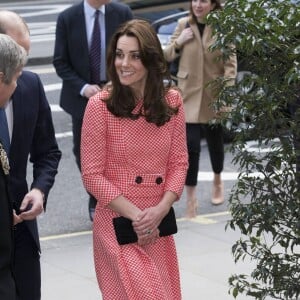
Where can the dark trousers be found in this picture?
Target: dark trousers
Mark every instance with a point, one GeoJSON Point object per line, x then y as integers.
{"type": "Point", "coordinates": [26, 266]}
{"type": "Point", "coordinates": [76, 127]}
{"type": "Point", "coordinates": [7, 282]}
{"type": "Point", "coordinates": [215, 143]}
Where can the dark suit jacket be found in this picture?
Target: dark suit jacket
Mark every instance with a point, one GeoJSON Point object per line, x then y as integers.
{"type": "Point", "coordinates": [7, 285]}
{"type": "Point", "coordinates": [71, 59]}
{"type": "Point", "coordinates": [33, 137]}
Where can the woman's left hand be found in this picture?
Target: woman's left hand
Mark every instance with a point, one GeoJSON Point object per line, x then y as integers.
{"type": "Point", "coordinates": [147, 222]}
{"type": "Point", "coordinates": [148, 238]}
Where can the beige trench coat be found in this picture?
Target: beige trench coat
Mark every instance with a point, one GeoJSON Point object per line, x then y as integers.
{"type": "Point", "coordinates": [197, 67]}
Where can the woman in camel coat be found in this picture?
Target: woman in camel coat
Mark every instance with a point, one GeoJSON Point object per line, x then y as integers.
{"type": "Point", "coordinates": [198, 66]}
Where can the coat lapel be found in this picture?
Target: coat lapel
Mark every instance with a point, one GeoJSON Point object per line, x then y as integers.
{"type": "Point", "coordinates": [196, 33]}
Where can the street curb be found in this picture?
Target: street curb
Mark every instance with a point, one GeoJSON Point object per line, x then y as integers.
{"type": "Point", "coordinates": [35, 61]}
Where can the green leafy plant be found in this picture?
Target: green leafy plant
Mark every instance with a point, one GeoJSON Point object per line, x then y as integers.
{"type": "Point", "coordinates": [265, 201]}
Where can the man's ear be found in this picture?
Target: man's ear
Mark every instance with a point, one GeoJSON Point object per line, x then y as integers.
{"type": "Point", "coordinates": [1, 76]}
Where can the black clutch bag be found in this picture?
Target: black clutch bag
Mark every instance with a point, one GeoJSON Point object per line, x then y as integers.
{"type": "Point", "coordinates": [126, 235]}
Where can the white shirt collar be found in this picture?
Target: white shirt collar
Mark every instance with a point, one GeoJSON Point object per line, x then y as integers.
{"type": "Point", "coordinates": [9, 117]}
{"type": "Point", "coordinates": [90, 11]}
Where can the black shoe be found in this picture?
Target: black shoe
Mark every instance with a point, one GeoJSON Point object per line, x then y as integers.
{"type": "Point", "coordinates": [91, 213]}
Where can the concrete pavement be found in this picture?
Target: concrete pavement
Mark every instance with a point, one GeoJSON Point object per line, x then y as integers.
{"type": "Point", "coordinates": [204, 251]}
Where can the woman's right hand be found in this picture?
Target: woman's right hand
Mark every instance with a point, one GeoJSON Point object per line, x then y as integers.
{"type": "Point", "coordinates": [185, 36]}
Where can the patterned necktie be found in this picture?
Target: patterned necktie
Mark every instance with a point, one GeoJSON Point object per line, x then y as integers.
{"type": "Point", "coordinates": [4, 134]}
{"type": "Point", "coordinates": [95, 51]}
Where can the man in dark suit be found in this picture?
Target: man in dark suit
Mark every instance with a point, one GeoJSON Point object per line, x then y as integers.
{"type": "Point", "coordinates": [12, 60]}
{"type": "Point", "coordinates": [32, 135]}
{"type": "Point", "coordinates": [72, 63]}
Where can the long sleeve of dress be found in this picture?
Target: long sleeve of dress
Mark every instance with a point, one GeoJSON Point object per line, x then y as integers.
{"type": "Point", "coordinates": [94, 153]}
{"type": "Point", "coordinates": [178, 159]}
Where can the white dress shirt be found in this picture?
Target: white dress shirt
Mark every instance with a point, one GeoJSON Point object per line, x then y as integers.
{"type": "Point", "coordinates": [9, 117]}
{"type": "Point", "coordinates": [89, 13]}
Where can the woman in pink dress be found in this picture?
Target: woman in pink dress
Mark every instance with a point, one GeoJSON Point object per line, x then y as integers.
{"type": "Point", "coordinates": [134, 161]}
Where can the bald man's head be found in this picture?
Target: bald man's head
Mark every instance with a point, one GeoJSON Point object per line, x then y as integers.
{"type": "Point", "coordinates": [13, 25]}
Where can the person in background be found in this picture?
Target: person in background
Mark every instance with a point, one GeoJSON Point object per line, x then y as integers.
{"type": "Point", "coordinates": [80, 66]}
{"type": "Point", "coordinates": [198, 66]}
{"type": "Point", "coordinates": [134, 161]}
{"type": "Point", "coordinates": [12, 60]}
{"type": "Point", "coordinates": [31, 136]}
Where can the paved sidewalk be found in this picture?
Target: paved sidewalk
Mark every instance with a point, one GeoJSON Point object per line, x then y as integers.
{"type": "Point", "coordinates": [204, 250]}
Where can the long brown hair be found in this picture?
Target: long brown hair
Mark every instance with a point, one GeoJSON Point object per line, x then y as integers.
{"type": "Point", "coordinates": [122, 101]}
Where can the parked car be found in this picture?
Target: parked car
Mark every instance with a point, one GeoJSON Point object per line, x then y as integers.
{"type": "Point", "coordinates": [165, 26]}
{"type": "Point", "coordinates": [152, 10]}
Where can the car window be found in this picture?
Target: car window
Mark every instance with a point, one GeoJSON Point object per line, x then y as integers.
{"type": "Point", "coordinates": [167, 28]}
{"type": "Point", "coordinates": [155, 15]}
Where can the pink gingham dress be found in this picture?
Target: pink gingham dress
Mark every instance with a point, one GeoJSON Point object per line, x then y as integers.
{"type": "Point", "coordinates": [114, 152]}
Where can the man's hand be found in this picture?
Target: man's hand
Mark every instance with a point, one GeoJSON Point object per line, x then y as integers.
{"type": "Point", "coordinates": [32, 205]}
{"type": "Point", "coordinates": [17, 219]}
{"type": "Point", "coordinates": [91, 90]}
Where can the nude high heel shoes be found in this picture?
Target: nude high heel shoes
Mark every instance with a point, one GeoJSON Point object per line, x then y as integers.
{"type": "Point", "coordinates": [217, 194]}
{"type": "Point", "coordinates": [191, 208]}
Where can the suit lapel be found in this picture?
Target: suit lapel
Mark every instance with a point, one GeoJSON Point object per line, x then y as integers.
{"type": "Point", "coordinates": [18, 115]}
{"type": "Point", "coordinates": [81, 33]}
{"type": "Point", "coordinates": [110, 24]}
